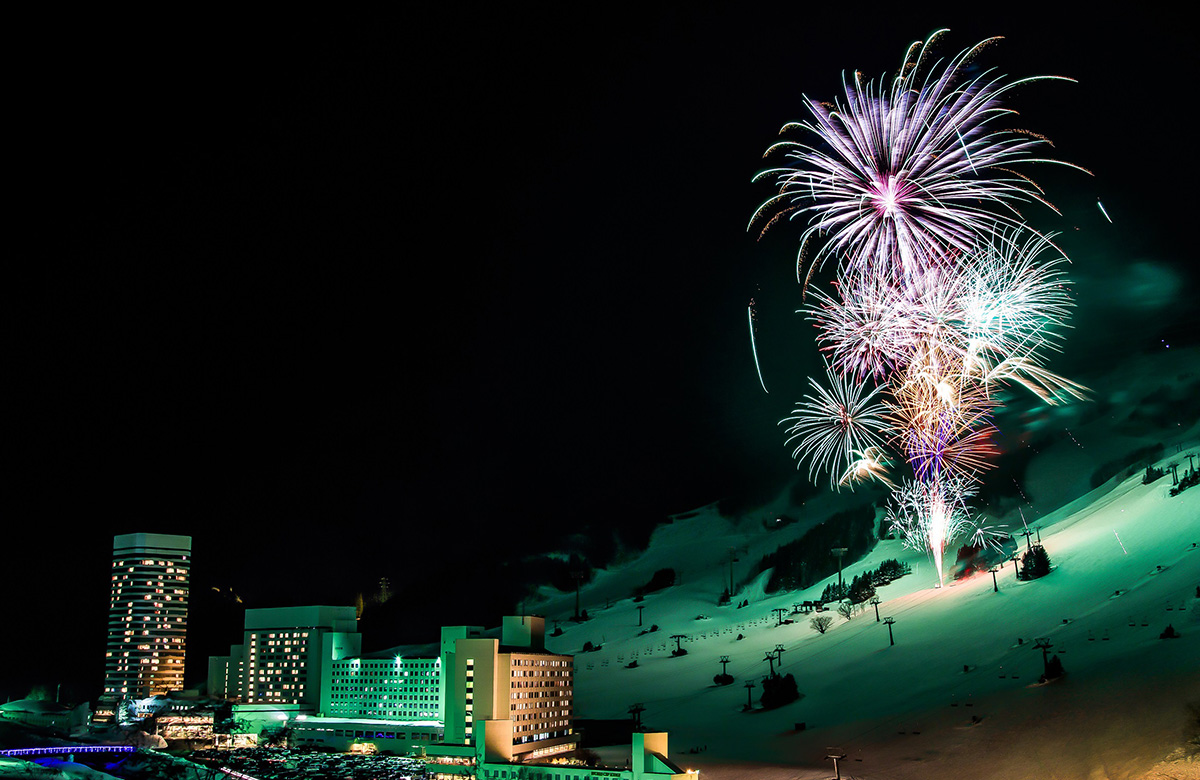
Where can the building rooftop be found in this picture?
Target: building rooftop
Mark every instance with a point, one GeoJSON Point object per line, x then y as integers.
{"type": "Point", "coordinates": [34, 705]}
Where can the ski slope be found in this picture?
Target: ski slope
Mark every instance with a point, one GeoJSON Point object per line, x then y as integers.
{"type": "Point", "coordinates": [958, 693]}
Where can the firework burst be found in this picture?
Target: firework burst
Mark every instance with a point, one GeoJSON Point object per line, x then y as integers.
{"type": "Point", "coordinates": [906, 168]}
{"type": "Point", "coordinates": [835, 426]}
{"type": "Point", "coordinates": [941, 295]}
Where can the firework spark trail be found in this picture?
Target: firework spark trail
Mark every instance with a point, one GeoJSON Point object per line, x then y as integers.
{"type": "Point", "coordinates": [929, 514]}
{"type": "Point", "coordinates": [942, 294]}
{"type": "Point", "coordinates": [754, 348]}
{"type": "Point", "coordinates": [1103, 211]}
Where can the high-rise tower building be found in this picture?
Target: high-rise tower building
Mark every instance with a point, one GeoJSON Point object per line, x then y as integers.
{"type": "Point", "coordinates": [147, 618]}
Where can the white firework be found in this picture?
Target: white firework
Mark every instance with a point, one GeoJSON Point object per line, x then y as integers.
{"type": "Point", "coordinates": [833, 424]}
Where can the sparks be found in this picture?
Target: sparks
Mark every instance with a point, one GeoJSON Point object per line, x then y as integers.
{"type": "Point", "coordinates": [834, 424]}
{"type": "Point", "coordinates": [754, 347]}
{"type": "Point", "coordinates": [942, 296]}
{"type": "Point", "coordinates": [906, 167]}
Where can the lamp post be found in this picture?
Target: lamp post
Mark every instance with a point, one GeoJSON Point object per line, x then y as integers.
{"type": "Point", "coordinates": [578, 577]}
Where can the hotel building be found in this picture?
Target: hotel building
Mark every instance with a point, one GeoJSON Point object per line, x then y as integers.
{"type": "Point", "coordinates": [147, 619]}
{"type": "Point", "coordinates": [513, 681]}
{"type": "Point", "coordinates": [394, 688]}
{"type": "Point", "coordinates": [285, 660]}
{"type": "Point", "coordinates": [303, 664]}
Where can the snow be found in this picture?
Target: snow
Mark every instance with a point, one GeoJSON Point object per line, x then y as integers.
{"type": "Point", "coordinates": [1126, 563]}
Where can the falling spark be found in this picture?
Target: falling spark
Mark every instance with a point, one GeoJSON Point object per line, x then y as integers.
{"type": "Point", "coordinates": [754, 347]}
{"type": "Point", "coordinates": [1103, 211]}
{"type": "Point", "coordinates": [1120, 542]}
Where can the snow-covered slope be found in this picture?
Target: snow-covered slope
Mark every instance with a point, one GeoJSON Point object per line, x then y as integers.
{"type": "Point", "coordinates": [1126, 564]}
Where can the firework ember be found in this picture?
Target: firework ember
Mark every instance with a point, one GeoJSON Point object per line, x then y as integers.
{"type": "Point", "coordinates": [942, 294]}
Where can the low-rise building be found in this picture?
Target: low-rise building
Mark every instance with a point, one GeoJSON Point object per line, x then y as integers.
{"type": "Point", "coordinates": [350, 734]}
{"type": "Point", "coordinates": [511, 679]}
{"type": "Point", "coordinates": [492, 758]}
{"type": "Point", "coordinates": [50, 715]}
{"type": "Point", "coordinates": [390, 688]}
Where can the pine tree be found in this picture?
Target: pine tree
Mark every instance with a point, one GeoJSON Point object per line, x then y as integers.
{"type": "Point", "coordinates": [1035, 563]}
{"type": "Point", "coordinates": [779, 690]}
{"type": "Point", "coordinates": [1054, 669]}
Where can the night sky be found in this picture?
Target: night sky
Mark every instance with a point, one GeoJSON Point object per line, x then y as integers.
{"type": "Point", "coordinates": [456, 290]}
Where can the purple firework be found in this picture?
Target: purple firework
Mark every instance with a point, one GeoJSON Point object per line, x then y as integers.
{"type": "Point", "coordinates": [902, 172]}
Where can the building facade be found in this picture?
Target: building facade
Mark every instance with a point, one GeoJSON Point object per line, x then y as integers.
{"type": "Point", "coordinates": [302, 666]}
{"type": "Point", "coordinates": [513, 680]}
{"type": "Point", "coordinates": [492, 758]}
{"type": "Point", "coordinates": [354, 734]}
{"type": "Point", "coordinates": [286, 658]}
{"type": "Point", "coordinates": [147, 619]}
{"type": "Point", "coordinates": [394, 688]}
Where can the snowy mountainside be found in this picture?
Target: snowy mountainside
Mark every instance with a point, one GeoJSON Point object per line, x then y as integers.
{"type": "Point", "coordinates": [1145, 401]}
{"type": "Point", "coordinates": [961, 679]}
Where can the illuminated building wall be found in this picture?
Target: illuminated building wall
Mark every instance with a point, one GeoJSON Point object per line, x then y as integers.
{"type": "Point", "coordinates": [227, 673]}
{"type": "Point", "coordinates": [511, 679]}
{"type": "Point", "coordinates": [353, 735]}
{"type": "Point", "coordinates": [287, 656]}
{"type": "Point", "coordinates": [147, 618]}
{"type": "Point", "coordinates": [393, 688]}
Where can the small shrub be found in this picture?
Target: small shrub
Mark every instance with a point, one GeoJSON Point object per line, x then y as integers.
{"type": "Point", "coordinates": [847, 609]}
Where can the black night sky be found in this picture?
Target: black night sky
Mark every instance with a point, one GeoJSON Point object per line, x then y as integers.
{"type": "Point", "coordinates": [438, 294]}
